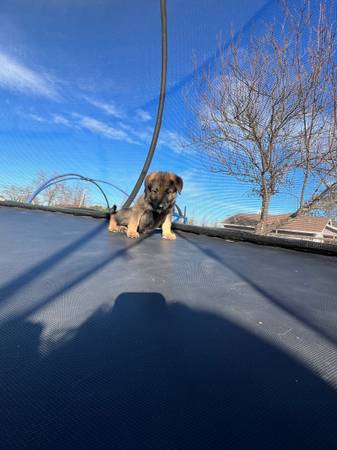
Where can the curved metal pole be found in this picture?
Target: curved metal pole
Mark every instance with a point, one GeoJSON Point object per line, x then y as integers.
{"type": "Point", "coordinates": [41, 187]}
{"type": "Point", "coordinates": [38, 190]}
{"type": "Point", "coordinates": [160, 110]}
{"type": "Point", "coordinates": [47, 185]}
{"type": "Point", "coordinates": [179, 210]}
{"type": "Point", "coordinates": [113, 185]}
{"type": "Point", "coordinates": [67, 177]}
{"type": "Point", "coordinates": [178, 214]}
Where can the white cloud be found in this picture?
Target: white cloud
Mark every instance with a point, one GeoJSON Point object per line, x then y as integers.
{"type": "Point", "coordinates": [78, 121]}
{"type": "Point", "coordinates": [58, 119]}
{"type": "Point", "coordinates": [126, 127]}
{"type": "Point", "coordinates": [28, 115]}
{"type": "Point", "coordinates": [99, 127]}
{"type": "Point", "coordinates": [170, 139]}
{"type": "Point", "coordinates": [145, 135]}
{"type": "Point", "coordinates": [109, 108]}
{"type": "Point", "coordinates": [17, 77]}
{"type": "Point", "coordinates": [174, 141]}
{"type": "Point", "coordinates": [143, 115]}
{"type": "Point", "coordinates": [37, 118]}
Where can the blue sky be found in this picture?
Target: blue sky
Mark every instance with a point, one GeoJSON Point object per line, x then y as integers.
{"type": "Point", "coordinates": [79, 82]}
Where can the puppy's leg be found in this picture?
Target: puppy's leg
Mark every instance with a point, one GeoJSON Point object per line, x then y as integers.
{"type": "Point", "coordinates": [119, 220]}
{"type": "Point", "coordinates": [166, 228]}
{"type": "Point", "coordinates": [113, 225]}
{"type": "Point", "coordinates": [132, 231]}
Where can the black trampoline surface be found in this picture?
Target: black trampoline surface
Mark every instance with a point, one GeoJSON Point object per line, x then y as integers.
{"type": "Point", "coordinates": [200, 343]}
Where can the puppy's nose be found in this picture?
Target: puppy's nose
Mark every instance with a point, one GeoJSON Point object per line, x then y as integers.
{"type": "Point", "coordinates": [161, 205]}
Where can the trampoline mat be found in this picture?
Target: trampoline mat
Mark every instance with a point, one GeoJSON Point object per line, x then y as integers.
{"type": "Point", "coordinates": [199, 343]}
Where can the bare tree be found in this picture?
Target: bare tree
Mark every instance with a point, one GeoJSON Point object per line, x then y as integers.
{"type": "Point", "coordinates": [268, 111]}
{"type": "Point", "coordinates": [247, 113]}
{"type": "Point", "coordinates": [15, 193]}
{"type": "Point", "coordinates": [61, 193]}
{"type": "Point", "coordinates": [327, 207]}
{"type": "Point", "coordinates": [49, 196]}
{"type": "Point", "coordinates": [58, 194]}
{"type": "Point", "coordinates": [315, 46]}
{"type": "Point", "coordinates": [75, 195]}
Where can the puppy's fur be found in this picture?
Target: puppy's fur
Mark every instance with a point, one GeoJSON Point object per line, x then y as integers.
{"type": "Point", "coordinates": [152, 210]}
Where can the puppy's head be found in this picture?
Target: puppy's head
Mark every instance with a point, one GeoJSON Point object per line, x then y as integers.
{"type": "Point", "coordinates": [161, 190]}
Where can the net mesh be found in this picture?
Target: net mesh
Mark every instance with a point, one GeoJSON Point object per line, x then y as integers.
{"type": "Point", "coordinates": [79, 86]}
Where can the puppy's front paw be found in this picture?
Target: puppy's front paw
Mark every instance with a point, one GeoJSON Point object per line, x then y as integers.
{"type": "Point", "coordinates": [169, 236]}
{"type": "Point", "coordinates": [132, 234]}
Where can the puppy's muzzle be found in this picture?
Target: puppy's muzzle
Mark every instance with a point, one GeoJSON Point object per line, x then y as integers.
{"type": "Point", "coordinates": [160, 207]}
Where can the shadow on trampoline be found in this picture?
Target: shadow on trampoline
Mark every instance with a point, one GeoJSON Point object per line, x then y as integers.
{"type": "Point", "coordinates": [285, 304]}
{"type": "Point", "coordinates": [151, 375]}
{"type": "Point", "coordinates": [20, 282]}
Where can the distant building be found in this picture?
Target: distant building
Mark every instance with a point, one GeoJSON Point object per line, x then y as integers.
{"type": "Point", "coordinates": [318, 229]}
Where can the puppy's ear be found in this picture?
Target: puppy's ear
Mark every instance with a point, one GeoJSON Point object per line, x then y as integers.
{"type": "Point", "coordinates": [178, 181]}
{"type": "Point", "coordinates": [148, 181]}
{"type": "Point", "coordinates": [147, 184]}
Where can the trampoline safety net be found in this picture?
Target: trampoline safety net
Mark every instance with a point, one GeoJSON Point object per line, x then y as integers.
{"type": "Point", "coordinates": [195, 342]}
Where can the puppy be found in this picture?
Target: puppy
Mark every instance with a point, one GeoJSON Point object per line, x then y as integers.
{"type": "Point", "coordinates": [152, 210]}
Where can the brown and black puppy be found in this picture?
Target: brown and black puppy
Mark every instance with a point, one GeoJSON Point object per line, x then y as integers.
{"type": "Point", "coordinates": [152, 210]}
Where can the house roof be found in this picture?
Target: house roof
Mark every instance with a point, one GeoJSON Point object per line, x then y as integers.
{"type": "Point", "coordinates": [300, 224]}
{"type": "Point", "coordinates": [306, 223]}
{"type": "Point", "coordinates": [253, 219]}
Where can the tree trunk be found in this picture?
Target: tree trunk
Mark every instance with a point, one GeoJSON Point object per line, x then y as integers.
{"type": "Point", "coordinates": [82, 199]}
{"type": "Point", "coordinates": [304, 185]}
{"type": "Point", "coordinates": [261, 226]}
